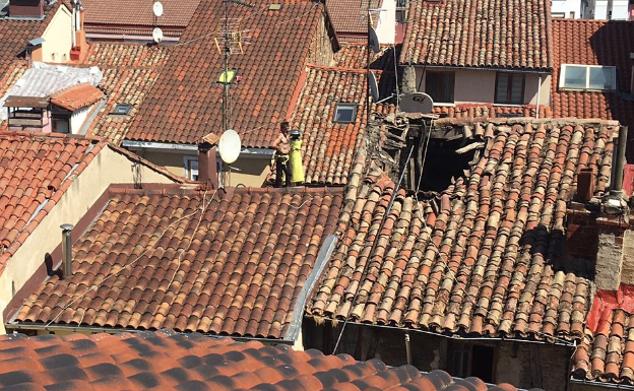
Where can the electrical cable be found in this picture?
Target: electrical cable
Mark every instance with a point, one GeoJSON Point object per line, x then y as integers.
{"type": "Point", "coordinates": [373, 247]}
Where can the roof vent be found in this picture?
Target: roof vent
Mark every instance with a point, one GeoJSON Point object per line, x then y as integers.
{"type": "Point", "coordinates": [67, 249]}
{"type": "Point", "coordinates": [275, 7]}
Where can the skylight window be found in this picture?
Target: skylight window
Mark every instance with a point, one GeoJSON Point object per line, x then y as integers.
{"type": "Point", "coordinates": [345, 113]}
{"type": "Point", "coordinates": [122, 109]}
{"type": "Point", "coordinates": [588, 77]}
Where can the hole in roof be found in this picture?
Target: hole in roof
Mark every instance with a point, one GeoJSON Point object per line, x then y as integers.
{"type": "Point", "coordinates": [122, 109]}
{"type": "Point", "coordinates": [345, 113]}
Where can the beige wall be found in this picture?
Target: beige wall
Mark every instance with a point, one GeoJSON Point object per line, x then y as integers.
{"type": "Point", "coordinates": [248, 171]}
{"type": "Point", "coordinates": [58, 37]}
{"type": "Point", "coordinates": [478, 86]}
{"type": "Point", "coordinates": [252, 172]}
{"type": "Point", "coordinates": [107, 168]}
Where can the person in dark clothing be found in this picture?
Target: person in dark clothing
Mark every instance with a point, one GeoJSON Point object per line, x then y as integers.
{"type": "Point", "coordinates": [282, 147]}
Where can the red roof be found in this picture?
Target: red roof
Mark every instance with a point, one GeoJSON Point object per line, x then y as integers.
{"type": "Point", "coordinates": [137, 17]}
{"type": "Point", "coordinates": [129, 72]}
{"type": "Point", "coordinates": [470, 33]}
{"type": "Point", "coordinates": [477, 259]}
{"type": "Point", "coordinates": [594, 42]}
{"type": "Point", "coordinates": [166, 360]}
{"type": "Point", "coordinates": [77, 97]}
{"type": "Point", "coordinates": [151, 260]}
{"type": "Point", "coordinates": [349, 17]}
{"type": "Point", "coordinates": [606, 353]}
{"type": "Point", "coordinates": [16, 33]}
{"type": "Point", "coordinates": [35, 171]}
{"type": "Point", "coordinates": [185, 102]}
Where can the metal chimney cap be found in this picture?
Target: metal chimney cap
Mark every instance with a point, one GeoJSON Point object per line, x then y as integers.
{"type": "Point", "coordinates": [66, 227]}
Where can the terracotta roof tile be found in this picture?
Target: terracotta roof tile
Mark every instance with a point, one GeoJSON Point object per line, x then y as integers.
{"type": "Point", "coordinates": [16, 33]}
{"type": "Point", "coordinates": [482, 262]}
{"type": "Point", "coordinates": [482, 110]}
{"type": "Point", "coordinates": [185, 102]}
{"type": "Point", "coordinates": [606, 353]}
{"type": "Point", "coordinates": [166, 360]}
{"type": "Point", "coordinates": [495, 34]}
{"type": "Point", "coordinates": [121, 16]}
{"type": "Point", "coordinates": [350, 16]}
{"type": "Point", "coordinates": [35, 170]}
{"type": "Point", "coordinates": [77, 97]}
{"type": "Point", "coordinates": [129, 72]}
{"type": "Point", "coordinates": [150, 260]}
{"type": "Point", "coordinates": [594, 42]}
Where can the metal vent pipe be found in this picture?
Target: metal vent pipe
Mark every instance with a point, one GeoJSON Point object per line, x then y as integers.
{"type": "Point", "coordinates": [67, 249]}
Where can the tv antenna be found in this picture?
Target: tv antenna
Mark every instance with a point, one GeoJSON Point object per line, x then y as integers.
{"type": "Point", "coordinates": [231, 44]}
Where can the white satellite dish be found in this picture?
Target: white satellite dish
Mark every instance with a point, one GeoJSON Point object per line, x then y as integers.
{"type": "Point", "coordinates": [374, 41]}
{"type": "Point", "coordinates": [416, 102]}
{"type": "Point", "coordinates": [157, 34]}
{"type": "Point", "coordinates": [229, 146]}
{"type": "Point", "coordinates": [374, 87]}
{"type": "Point", "coordinates": [157, 8]}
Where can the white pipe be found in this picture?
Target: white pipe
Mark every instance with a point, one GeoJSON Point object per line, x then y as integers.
{"type": "Point", "coordinates": [126, 37]}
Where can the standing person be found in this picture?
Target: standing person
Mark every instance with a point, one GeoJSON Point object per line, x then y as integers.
{"type": "Point", "coordinates": [282, 147]}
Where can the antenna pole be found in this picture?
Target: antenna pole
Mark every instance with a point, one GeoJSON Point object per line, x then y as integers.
{"type": "Point", "coordinates": [225, 85]}
{"type": "Point", "coordinates": [368, 99]}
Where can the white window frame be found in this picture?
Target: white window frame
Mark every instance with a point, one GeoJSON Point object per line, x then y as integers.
{"type": "Point", "coordinates": [562, 77]}
{"type": "Point", "coordinates": [190, 171]}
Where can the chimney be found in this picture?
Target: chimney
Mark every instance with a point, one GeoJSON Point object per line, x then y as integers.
{"type": "Point", "coordinates": [616, 184]}
{"type": "Point", "coordinates": [67, 249]}
{"type": "Point", "coordinates": [612, 253]}
{"type": "Point", "coordinates": [585, 185]}
{"type": "Point", "coordinates": [26, 8]}
{"type": "Point", "coordinates": [207, 170]}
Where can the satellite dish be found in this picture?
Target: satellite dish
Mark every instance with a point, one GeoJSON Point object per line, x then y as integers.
{"type": "Point", "coordinates": [374, 41]}
{"type": "Point", "coordinates": [416, 102]}
{"type": "Point", "coordinates": [157, 34]}
{"type": "Point", "coordinates": [157, 8]}
{"type": "Point", "coordinates": [229, 146]}
{"type": "Point", "coordinates": [374, 87]}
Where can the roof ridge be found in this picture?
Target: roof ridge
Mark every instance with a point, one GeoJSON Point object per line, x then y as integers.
{"type": "Point", "coordinates": [51, 135]}
{"type": "Point", "coordinates": [337, 68]}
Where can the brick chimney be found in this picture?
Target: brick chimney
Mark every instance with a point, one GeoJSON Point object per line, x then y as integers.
{"type": "Point", "coordinates": [207, 169]}
{"type": "Point", "coordinates": [26, 8]}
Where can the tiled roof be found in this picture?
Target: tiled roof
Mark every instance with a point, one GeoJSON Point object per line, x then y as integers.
{"type": "Point", "coordinates": [606, 353]}
{"type": "Point", "coordinates": [35, 171]}
{"type": "Point", "coordinates": [16, 33]}
{"type": "Point", "coordinates": [151, 260]}
{"type": "Point", "coordinates": [495, 34]}
{"type": "Point", "coordinates": [176, 13]}
{"type": "Point", "coordinates": [185, 102]}
{"type": "Point", "coordinates": [482, 262]}
{"type": "Point", "coordinates": [594, 42]}
{"type": "Point", "coordinates": [129, 72]}
{"type": "Point", "coordinates": [350, 16]}
{"type": "Point", "coordinates": [328, 148]}
{"type": "Point", "coordinates": [355, 57]}
{"type": "Point", "coordinates": [77, 97]}
{"type": "Point", "coordinates": [480, 110]}
{"type": "Point", "coordinates": [165, 360]}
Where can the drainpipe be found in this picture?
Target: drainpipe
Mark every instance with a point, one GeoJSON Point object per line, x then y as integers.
{"type": "Point", "coordinates": [539, 95]}
{"type": "Point", "coordinates": [67, 249]}
{"type": "Point", "coordinates": [408, 349]}
{"type": "Point", "coordinates": [616, 188]}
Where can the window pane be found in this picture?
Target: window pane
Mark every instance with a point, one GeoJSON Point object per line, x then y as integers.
{"type": "Point", "coordinates": [439, 85]}
{"type": "Point", "coordinates": [602, 78]}
{"type": "Point", "coordinates": [517, 89]}
{"type": "Point", "coordinates": [575, 77]}
{"type": "Point", "coordinates": [502, 88]}
{"type": "Point", "coordinates": [345, 113]}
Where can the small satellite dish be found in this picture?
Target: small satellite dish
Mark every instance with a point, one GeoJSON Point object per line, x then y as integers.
{"type": "Point", "coordinates": [157, 34]}
{"type": "Point", "coordinates": [229, 146]}
{"type": "Point", "coordinates": [374, 41]}
{"type": "Point", "coordinates": [157, 8]}
{"type": "Point", "coordinates": [374, 87]}
{"type": "Point", "coordinates": [416, 102]}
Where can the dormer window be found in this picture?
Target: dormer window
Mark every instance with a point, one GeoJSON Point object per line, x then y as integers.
{"type": "Point", "coordinates": [345, 113]}
{"type": "Point", "coordinates": [587, 77]}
